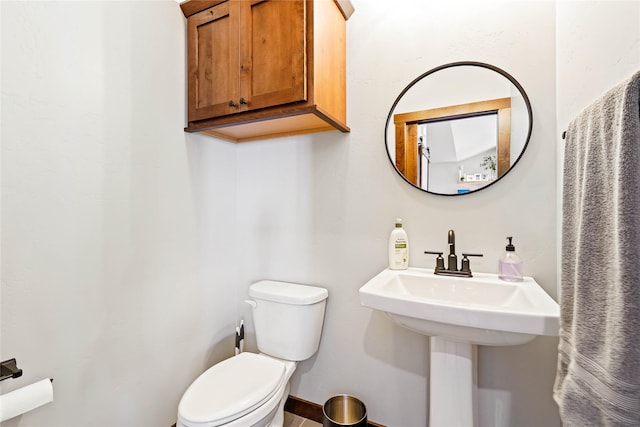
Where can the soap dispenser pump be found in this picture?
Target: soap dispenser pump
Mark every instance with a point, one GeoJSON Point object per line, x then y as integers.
{"type": "Point", "coordinates": [510, 264]}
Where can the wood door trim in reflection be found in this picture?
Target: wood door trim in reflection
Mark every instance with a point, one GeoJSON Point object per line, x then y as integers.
{"type": "Point", "coordinates": [406, 125]}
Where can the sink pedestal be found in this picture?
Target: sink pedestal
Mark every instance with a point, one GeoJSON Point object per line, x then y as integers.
{"type": "Point", "coordinates": [453, 384]}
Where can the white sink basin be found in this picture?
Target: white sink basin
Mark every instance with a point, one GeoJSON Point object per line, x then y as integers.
{"type": "Point", "coordinates": [459, 313]}
{"type": "Point", "coordinates": [480, 310]}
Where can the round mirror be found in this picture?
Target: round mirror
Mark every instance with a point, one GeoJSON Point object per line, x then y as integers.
{"type": "Point", "coordinates": [458, 128]}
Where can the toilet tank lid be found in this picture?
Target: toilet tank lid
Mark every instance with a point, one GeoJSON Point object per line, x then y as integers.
{"type": "Point", "coordinates": [288, 293]}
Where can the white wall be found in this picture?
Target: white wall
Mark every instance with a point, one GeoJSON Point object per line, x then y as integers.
{"type": "Point", "coordinates": [319, 209]}
{"type": "Point", "coordinates": [117, 227]}
{"type": "Point", "coordinates": [128, 246]}
{"type": "Point", "coordinates": [593, 53]}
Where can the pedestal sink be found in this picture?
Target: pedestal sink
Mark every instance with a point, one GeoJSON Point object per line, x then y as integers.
{"type": "Point", "coordinates": [459, 313]}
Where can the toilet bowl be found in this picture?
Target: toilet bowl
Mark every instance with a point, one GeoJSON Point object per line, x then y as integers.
{"type": "Point", "coordinates": [245, 390]}
{"type": "Point", "coordinates": [250, 389]}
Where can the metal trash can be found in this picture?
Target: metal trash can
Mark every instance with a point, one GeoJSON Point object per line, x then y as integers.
{"type": "Point", "coordinates": [343, 410]}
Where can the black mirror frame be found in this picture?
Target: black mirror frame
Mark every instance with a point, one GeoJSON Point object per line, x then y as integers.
{"type": "Point", "coordinates": [451, 65]}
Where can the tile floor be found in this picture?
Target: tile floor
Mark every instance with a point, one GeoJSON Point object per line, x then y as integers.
{"type": "Point", "coordinates": [292, 420]}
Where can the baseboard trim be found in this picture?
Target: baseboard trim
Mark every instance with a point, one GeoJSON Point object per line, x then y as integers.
{"type": "Point", "coordinates": [310, 410]}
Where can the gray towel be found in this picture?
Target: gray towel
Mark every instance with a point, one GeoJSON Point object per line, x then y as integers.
{"type": "Point", "coordinates": [598, 378]}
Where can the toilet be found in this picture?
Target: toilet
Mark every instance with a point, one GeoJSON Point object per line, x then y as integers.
{"type": "Point", "coordinates": [250, 389]}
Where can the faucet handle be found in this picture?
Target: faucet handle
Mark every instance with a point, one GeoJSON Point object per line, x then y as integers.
{"type": "Point", "coordinates": [439, 259]}
{"type": "Point", "coordinates": [466, 267]}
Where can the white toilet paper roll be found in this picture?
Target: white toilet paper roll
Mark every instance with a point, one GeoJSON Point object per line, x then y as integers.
{"type": "Point", "coordinates": [25, 399]}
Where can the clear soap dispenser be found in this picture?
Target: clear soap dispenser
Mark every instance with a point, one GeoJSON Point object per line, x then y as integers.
{"type": "Point", "coordinates": [510, 264]}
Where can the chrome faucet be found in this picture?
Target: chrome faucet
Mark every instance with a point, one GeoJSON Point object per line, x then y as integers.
{"type": "Point", "coordinates": [452, 260]}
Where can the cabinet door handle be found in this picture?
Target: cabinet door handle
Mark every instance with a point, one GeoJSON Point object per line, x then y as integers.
{"type": "Point", "coordinates": [244, 101]}
{"type": "Point", "coordinates": [232, 104]}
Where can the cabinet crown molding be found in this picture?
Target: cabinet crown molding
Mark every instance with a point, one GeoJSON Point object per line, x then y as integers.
{"type": "Point", "coordinates": [191, 7]}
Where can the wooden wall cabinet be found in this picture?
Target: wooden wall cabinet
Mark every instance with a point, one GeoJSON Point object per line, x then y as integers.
{"type": "Point", "coordinates": [261, 69]}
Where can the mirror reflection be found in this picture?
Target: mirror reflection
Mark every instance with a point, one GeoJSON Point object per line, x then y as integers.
{"type": "Point", "coordinates": [458, 128]}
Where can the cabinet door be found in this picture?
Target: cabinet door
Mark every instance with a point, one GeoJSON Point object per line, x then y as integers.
{"type": "Point", "coordinates": [272, 52]}
{"type": "Point", "coordinates": [213, 52]}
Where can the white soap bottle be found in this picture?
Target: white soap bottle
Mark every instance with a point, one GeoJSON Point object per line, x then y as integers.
{"type": "Point", "coordinates": [510, 264]}
{"type": "Point", "coordinates": [398, 248]}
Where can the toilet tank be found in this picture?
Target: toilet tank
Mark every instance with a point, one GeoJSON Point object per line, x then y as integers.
{"type": "Point", "coordinates": [288, 318]}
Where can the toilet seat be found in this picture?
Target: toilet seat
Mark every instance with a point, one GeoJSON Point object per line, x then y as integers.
{"type": "Point", "coordinates": [231, 389]}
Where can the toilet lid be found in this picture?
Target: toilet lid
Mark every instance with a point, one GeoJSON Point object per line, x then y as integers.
{"type": "Point", "coordinates": [231, 389]}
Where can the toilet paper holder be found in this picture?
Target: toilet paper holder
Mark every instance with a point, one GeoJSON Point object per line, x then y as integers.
{"type": "Point", "coordinates": [9, 369]}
